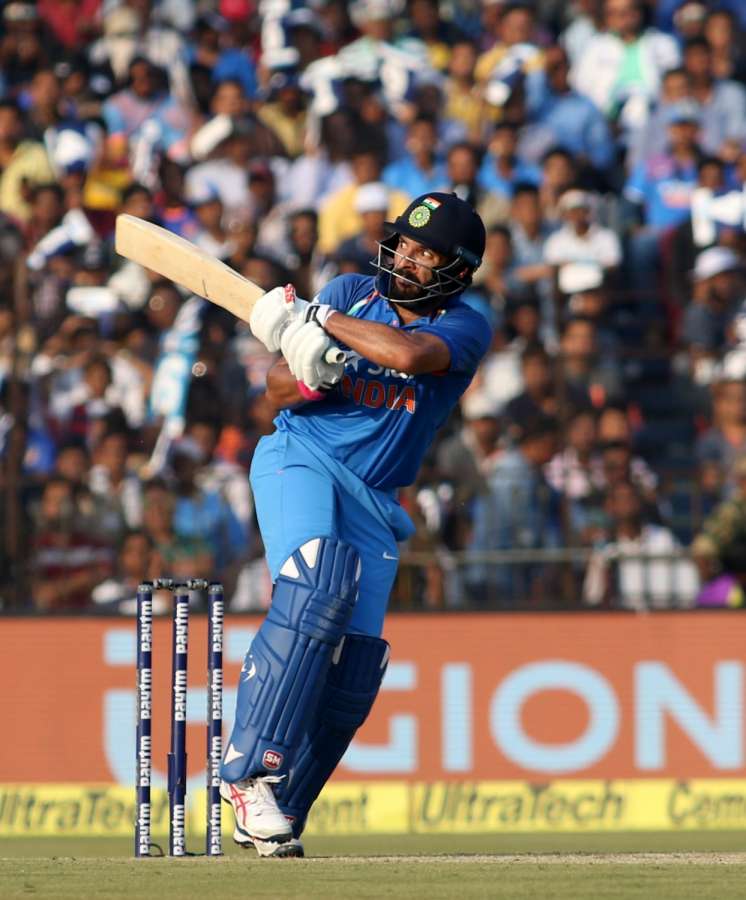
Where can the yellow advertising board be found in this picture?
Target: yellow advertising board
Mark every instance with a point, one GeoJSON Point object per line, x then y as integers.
{"type": "Point", "coordinates": [398, 807]}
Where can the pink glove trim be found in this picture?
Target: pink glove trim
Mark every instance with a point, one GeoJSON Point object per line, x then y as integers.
{"type": "Point", "coordinates": [308, 393]}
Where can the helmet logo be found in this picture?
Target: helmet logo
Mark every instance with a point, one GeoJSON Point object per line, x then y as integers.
{"type": "Point", "coordinates": [419, 217]}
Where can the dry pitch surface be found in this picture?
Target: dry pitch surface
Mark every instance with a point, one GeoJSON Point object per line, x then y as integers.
{"type": "Point", "coordinates": [705, 866]}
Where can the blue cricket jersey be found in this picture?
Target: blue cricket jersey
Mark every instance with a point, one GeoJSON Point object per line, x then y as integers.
{"type": "Point", "coordinates": [378, 422]}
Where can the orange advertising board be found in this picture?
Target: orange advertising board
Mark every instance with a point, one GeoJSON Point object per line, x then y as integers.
{"type": "Point", "coordinates": [467, 698]}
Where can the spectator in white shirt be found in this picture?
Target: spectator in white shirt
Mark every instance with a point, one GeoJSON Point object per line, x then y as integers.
{"type": "Point", "coordinates": [640, 567]}
{"type": "Point", "coordinates": [624, 62]}
{"type": "Point", "coordinates": [581, 239]}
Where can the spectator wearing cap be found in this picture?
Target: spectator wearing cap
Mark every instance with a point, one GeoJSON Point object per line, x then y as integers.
{"type": "Point", "coordinates": [689, 20]}
{"type": "Point", "coordinates": [560, 116]}
{"type": "Point", "coordinates": [581, 239]}
{"type": "Point", "coordinates": [419, 171]}
{"type": "Point", "coordinates": [583, 293]}
{"type": "Point", "coordinates": [356, 253]}
{"type": "Point", "coordinates": [338, 218]}
{"type": "Point", "coordinates": [468, 458]}
{"type": "Point", "coordinates": [624, 62]}
{"type": "Point", "coordinates": [650, 138]}
{"type": "Point", "coordinates": [659, 191]}
{"type": "Point", "coordinates": [722, 101]}
{"type": "Point", "coordinates": [519, 511]}
{"type": "Point", "coordinates": [661, 186]}
{"type": "Point", "coordinates": [212, 236]}
{"type": "Point", "coordinates": [22, 48]}
{"type": "Point", "coordinates": [23, 164]}
{"type": "Point", "coordinates": [718, 289]}
{"type": "Point", "coordinates": [154, 34]}
{"type": "Point", "coordinates": [699, 230]}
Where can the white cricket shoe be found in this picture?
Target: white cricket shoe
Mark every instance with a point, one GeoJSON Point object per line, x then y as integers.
{"type": "Point", "coordinates": [285, 850]}
{"type": "Point", "coordinates": [258, 816]}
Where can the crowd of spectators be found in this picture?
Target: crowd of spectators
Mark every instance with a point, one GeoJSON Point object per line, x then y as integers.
{"type": "Point", "coordinates": [602, 141]}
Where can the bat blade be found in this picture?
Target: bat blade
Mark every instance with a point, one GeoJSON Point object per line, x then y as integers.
{"type": "Point", "coordinates": [185, 264]}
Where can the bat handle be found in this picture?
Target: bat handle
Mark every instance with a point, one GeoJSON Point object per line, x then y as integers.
{"type": "Point", "coordinates": [334, 355]}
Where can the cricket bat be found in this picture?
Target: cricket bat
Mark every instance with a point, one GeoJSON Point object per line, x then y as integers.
{"type": "Point", "coordinates": [182, 262]}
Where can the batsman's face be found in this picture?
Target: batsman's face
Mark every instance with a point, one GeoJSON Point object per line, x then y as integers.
{"type": "Point", "coordinates": [413, 267]}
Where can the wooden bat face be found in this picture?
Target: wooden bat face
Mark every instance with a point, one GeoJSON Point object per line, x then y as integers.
{"type": "Point", "coordinates": [182, 262]}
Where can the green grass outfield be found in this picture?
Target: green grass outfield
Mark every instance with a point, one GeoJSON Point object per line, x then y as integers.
{"type": "Point", "coordinates": [649, 866]}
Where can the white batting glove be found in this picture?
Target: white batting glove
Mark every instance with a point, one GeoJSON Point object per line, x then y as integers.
{"type": "Point", "coordinates": [304, 346]}
{"type": "Point", "coordinates": [272, 314]}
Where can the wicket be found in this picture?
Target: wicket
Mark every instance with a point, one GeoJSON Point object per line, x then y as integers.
{"type": "Point", "coordinates": [177, 757]}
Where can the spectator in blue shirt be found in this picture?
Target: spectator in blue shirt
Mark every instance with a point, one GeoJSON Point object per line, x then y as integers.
{"type": "Point", "coordinates": [419, 171]}
{"type": "Point", "coordinates": [660, 190]}
{"type": "Point", "coordinates": [520, 511]}
{"type": "Point", "coordinates": [662, 186]}
{"type": "Point", "coordinates": [722, 101]}
{"type": "Point", "coordinates": [529, 232]}
{"type": "Point", "coordinates": [203, 513]}
{"type": "Point", "coordinates": [501, 167]}
{"type": "Point", "coordinates": [562, 117]}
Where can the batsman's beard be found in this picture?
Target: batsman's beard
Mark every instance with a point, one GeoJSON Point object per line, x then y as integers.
{"type": "Point", "coordinates": [409, 289]}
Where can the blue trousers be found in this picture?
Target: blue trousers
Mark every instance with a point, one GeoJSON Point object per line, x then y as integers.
{"type": "Point", "coordinates": [301, 493]}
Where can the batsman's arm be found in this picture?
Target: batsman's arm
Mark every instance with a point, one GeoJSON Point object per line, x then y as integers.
{"type": "Point", "coordinates": [415, 354]}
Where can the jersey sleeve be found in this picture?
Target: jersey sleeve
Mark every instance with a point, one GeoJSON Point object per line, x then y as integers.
{"type": "Point", "coordinates": [342, 292]}
{"type": "Point", "coordinates": [466, 333]}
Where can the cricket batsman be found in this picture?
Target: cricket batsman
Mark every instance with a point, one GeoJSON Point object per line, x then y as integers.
{"type": "Point", "coordinates": [349, 435]}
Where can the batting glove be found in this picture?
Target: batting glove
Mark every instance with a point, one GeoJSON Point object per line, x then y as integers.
{"type": "Point", "coordinates": [273, 312]}
{"type": "Point", "coordinates": [304, 346]}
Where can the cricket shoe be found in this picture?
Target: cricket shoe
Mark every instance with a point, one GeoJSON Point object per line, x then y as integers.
{"type": "Point", "coordinates": [285, 850]}
{"type": "Point", "coordinates": [258, 816]}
